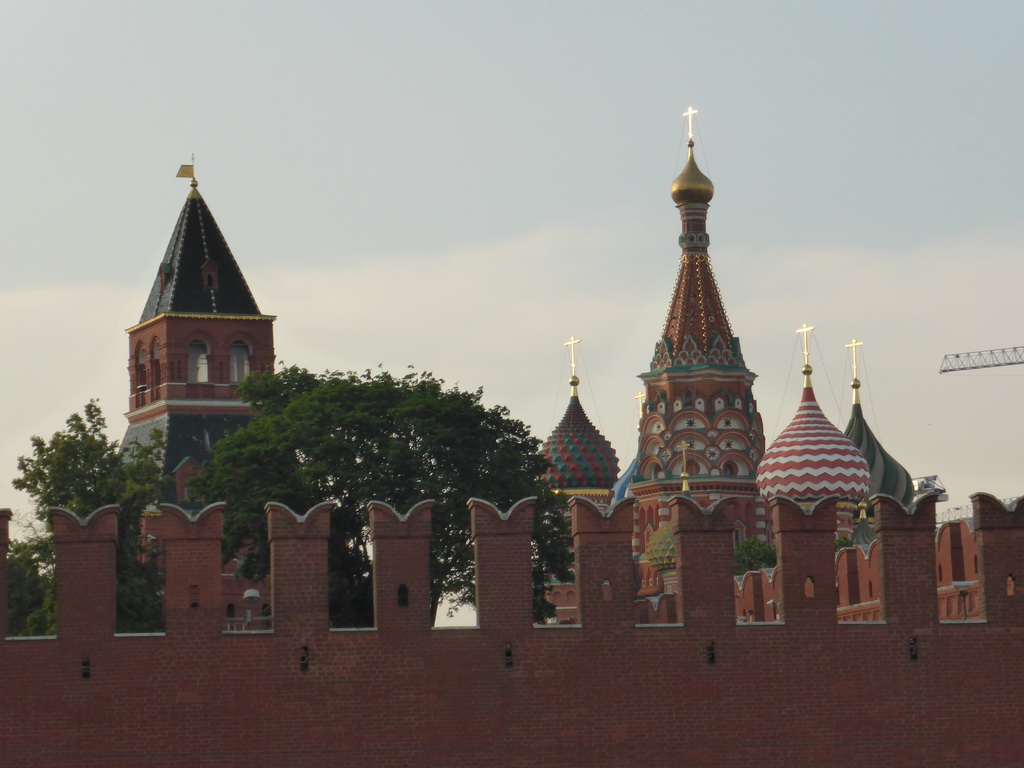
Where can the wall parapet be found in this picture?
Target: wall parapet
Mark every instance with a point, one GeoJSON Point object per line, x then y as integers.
{"type": "Point", "coordinates": [399, 694]}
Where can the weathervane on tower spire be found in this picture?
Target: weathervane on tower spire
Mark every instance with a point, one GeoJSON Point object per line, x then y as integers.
{"type": "Point", "coordinates": [189, 171]}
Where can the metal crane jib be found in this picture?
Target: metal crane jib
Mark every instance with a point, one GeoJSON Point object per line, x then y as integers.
{"type": "Point", "coordinates": [988, 358]}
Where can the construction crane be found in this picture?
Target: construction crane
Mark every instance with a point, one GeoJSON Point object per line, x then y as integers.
{"type": "Point", "coordinates": [988, 358]}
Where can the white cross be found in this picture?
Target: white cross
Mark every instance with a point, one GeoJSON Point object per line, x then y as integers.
{"type": "Point", "coordinates": [805, 329]}
{"type": "Point", "coordinates": [853, 345]}
{"type": "Point", "coordinates": [571, 344]}
{"type": "Point", "coordinates": [688, 114]}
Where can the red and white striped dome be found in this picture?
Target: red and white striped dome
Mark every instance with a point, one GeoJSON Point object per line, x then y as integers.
{"type": "Point", "coordinates": [811, 459]}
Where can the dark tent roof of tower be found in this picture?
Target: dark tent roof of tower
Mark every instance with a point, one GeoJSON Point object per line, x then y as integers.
{"type": "Point", "coordinates": [186, 435]}
{"type": "Point", "coordinates": [180, 288]}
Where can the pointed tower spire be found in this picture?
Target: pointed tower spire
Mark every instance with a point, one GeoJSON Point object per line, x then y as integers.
{"type": "Point", "coordinates": [700, 431]}
{"type": "Point", "coordinates": [887, 475]}
{"type": "Point", "coordinates": [199, 335]}
{"type": "Point", "coordinates": [696, 328]}
{"type": "Point", "coordinates": [581, 460]}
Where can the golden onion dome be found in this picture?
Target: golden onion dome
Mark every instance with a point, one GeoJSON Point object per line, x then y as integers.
{"type": "Point", "coordinates": [692, 186]}
{"type": "Point", "coordinates": [661, 550]}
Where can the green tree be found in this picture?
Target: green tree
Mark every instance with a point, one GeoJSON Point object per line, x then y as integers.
{"type": "Point", "coordinates": [844, 542]}
{"type": "Point", "coordinates": [350, 438]}
{"type": "Point", "coordinates": [80, 469]}
{"type": "Point", "coordinates": [30, 587]}
{"type": "Point", "coordinates": [751, 555]}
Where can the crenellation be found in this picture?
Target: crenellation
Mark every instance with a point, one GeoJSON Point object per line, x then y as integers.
{"type": "Point", "coordinates": [192, 568]}
{"type": "Point", "coordinates": [605, 581]}
{"type": "Point", "coordinates": [999, 539]}
{"type": "Point", "coordinates": [906, 560]}
{"type": "Point", "coordinates": [704, 562]}
{"type": "Point", "coordinates": [298, 568]}
{"type": "Point", "coordinates": [805, 574]}
{"type": "Point", "coordinates": [85, 555]}
{"type": "Point", "coordinates": [5, 542]}
{"type": "Point", "coordinates": [504, 568]}
{"type": "Point", "coordinates": [401, 566]}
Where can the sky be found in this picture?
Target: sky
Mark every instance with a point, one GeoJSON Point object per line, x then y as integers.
{"type": "Point", "coordinates": [462, 186]}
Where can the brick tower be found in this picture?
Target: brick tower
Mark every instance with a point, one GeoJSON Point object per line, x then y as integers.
{"type": "Point", "coordinates": [199, 335]}
{"type": "Point", "coordinates": [700, 417]}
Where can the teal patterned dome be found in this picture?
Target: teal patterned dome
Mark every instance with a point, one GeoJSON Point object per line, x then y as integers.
{"type": "Point", "coordinates": [580, 457]}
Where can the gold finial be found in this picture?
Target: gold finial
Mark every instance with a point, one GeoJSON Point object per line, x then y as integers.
{"type": "Point", "coordinates": [855, 384]}
{"type": "Point", "coordinates": [640, 399]}
{"type": "Point", "coordinates": [685, 474]}
{"type": "Point", "coordinates": [688, 114]}
{"type": "Point", "coordinates": [691, 186]}
{"type": "Point", "coordinates": [573, 380]}
{"type": "Point", "coordinates": [806, 370]}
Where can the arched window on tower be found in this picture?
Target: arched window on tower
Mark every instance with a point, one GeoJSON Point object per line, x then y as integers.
{"type": "Point", "coordinates": [140, 371]}
{"type": "Point", "coordinates": [156, 365]}
{"type": "Point", "coordinates": [238, 361]}
{"type": "Point", "coordinates": [198, 362]}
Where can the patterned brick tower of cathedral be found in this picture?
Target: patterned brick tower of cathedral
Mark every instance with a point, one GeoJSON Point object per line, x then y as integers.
{"type": "Point", "coordinates": [699, 408]}
{"type": "Point", "coordinates": [199, 335]}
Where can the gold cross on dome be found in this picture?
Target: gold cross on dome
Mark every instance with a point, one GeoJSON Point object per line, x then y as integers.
{"type": "Point", "coordinates": [688, 114]}
{"type": "Point", "coordinates": [573, 382]}
{"type": "Point", "coordinates": [571, 344]}
{"type": "Point", "coordinates": [639, 397]}
{"type": "Point", "coordinates": [853, 345]}
{"type": "Point", "coordinates": [806, 329]}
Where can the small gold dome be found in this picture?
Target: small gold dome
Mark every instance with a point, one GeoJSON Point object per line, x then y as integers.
{"type": "Point", "coordinates": [692, 186]}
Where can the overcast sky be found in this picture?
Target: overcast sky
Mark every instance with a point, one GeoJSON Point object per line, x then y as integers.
{"type": "Point", "coordinates": [461, 186]}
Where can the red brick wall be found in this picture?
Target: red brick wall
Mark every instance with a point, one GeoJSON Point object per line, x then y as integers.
{"type": "Point", "coordinates": [809, 691]}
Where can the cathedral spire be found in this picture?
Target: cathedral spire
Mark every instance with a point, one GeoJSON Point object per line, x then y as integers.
{"type": "Point", "coordinates": [700, 432]}
{"type": "Point", "coordinates": [697, 329]}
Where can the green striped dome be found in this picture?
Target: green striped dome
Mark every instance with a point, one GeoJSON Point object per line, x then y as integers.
{"type": "Point", "coordinates": [887, 475]}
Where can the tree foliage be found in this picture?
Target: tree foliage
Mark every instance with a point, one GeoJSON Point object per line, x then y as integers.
{"type": "Point", "coordinates": [751, 555]}
{"type": "Point", "coordinates": [844, 542]}
{"type": "Point", "coordinates": [81, 469]}
{"type": "Point", "coordinates": [350, 438]}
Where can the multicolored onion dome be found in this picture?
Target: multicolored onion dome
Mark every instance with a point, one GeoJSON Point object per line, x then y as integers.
{"type": "Point", "coordinates": [887, 475]}
{"type": "Point", "coordinates": [692, 186]}
{"type": "Point", "coordinates": [811, 459]}
{"type": "Point", "coordinates": [661, 550]}
{"type": "Point", "coordinates": [581, 458]}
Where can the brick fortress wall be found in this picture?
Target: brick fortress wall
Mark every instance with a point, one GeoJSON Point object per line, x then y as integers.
{"type": "Point", "coordinates": [807, 690]}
